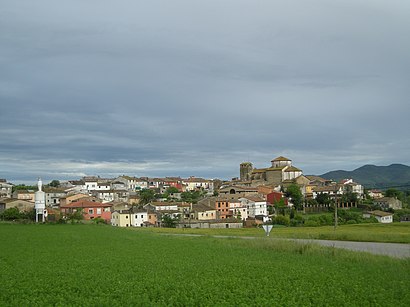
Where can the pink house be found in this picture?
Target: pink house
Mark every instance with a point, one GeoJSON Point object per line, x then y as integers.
{"type": "Point", "coordinates": [91, 209]}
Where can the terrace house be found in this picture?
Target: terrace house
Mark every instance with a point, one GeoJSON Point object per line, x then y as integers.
{"type": "Point", "coordinates": [53, 196]}
{"type": "Point", "coordinates": [90, 209]}
{"type": "Point", "coordinates": [202, 212]}
{"type": "Point", "coordinates": [121, 218]}
{"type": "Point", "coordinates": [222, 206]}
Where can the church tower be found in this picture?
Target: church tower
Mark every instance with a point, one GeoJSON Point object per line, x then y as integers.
{"type": "Point", "coordinates": [245, 171]}
{"type": "Point", "coordinates": [40, 203]}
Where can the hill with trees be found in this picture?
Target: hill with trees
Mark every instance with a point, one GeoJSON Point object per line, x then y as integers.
{"type": "Point", "coordinates": [372, 176]}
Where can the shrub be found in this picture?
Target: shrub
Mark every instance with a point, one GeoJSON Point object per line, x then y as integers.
{"type": "Point", "coordinates": [311, 223]}
{"type": "Point", "coordinates": [11, 214]}
{"type": "Point", "coordinates": [297, 220]}
{"type": "Point", "coordinates": [326, 220]}
{"type": "Point", "coordinates": [282, 220]}
{"type": "Point", "coordinates": [99, 220]}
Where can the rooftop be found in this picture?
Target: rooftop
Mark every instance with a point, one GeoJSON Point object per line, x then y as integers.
{"type": "Point", "coordinates": [280, 158]}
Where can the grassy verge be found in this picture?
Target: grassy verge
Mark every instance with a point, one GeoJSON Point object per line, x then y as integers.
{"type": "Point", "coordinates": [391, 233]}
{"type": "Point", "coordinates": [83, 265]}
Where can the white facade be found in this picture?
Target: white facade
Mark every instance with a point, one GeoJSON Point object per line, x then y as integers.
{"type": "Point", "coordinates": [105, 196]}
{"type": "Point", "coordinates": [385, 219]}
{"type": "Point", "coordinates": [141, 184]}
{"type": "Point", "coordinates": [255, 207]}
{"type": "Point", "coordinates": [289, 175]}
{"type": "Point", "coordinates": [130, 183]}
{"type": "Point", "coordinates": [327, 190]}
{"type": "Point", "coordinates": [193, 184]}
{"type": "Point", "coordinates": [241, 212]}
{"type": "Point", "coordinates": [91, 185]}
{"type": "Point", "coordinates": [238, 210]}
{"type": "Point", "coordinates": [382, 217]}
{"type": "Point", "coordinates": [165, 207]}
{"type": "Point", "coordinates": [103, 186]}
{"type": "Point", "coordinates": [139, 219]}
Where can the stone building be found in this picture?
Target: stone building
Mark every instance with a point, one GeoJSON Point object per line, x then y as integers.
{"type": "Point", "coordinates": [246, 169]}
{"type": "Point", "coordinates": [281, 170]}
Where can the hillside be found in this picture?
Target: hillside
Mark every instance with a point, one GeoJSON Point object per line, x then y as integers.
{"type": "Point", "coordinates": [372, 176]}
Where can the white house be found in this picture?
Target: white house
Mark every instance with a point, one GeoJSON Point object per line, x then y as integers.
{"type": "Point", "coordinates": [256, 206]}
{"type": "Point", "coordinates": [381, 216]}
{"type": "Point", "coordinates": [194, 183]}
{"type": "Point", "coordinates": [163, 206]}
{"type": "Point", "coordinates": [332, 190]}
{"type": "Point", "coordinates": [103, 186]}
{"type": "Point", "coordinates": [90, 183]}
{"type": "Point", "coordinates": [105, 196]}
{"type": "Point", "coordinates": [350, 186]}
{"type": "Point", "coordinates": [141, 184]}
{"type": "Point", "coordinates": [238, 209]}
{"type": "Point", "coordinates": [140, 219]}
{"type": "Point", "coordinates": [5, 188]}
{"type": "Point", "coordinates": [131, 183]}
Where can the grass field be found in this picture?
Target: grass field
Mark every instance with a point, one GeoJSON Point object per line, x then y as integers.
{"type": "Point", "coordinates": [83, 265]}
{"type": "Point", "coordinates": [393, 233]}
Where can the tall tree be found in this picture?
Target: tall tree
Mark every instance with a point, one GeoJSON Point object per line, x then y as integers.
{"type": "Point", "coordinates": [146, 196]}
{"type": "Point", "coordinates": [293, 192]}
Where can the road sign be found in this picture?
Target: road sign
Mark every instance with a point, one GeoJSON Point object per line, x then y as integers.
{"type": "Point", "coordinates": [267, 229]}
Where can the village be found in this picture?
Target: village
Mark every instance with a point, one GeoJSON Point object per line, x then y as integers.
{"type": "Point", "coordinates": [256, 197]}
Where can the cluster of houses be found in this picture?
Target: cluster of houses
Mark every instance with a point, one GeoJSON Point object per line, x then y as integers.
{"type": "Point", "coordinates": [243, 201]}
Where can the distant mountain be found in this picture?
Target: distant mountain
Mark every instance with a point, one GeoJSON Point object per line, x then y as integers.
{"type": "Point", "coordinates": [372, 176]}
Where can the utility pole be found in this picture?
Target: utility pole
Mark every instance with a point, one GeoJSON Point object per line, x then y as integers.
{"type": "Point", "coordinates": [335, 213]}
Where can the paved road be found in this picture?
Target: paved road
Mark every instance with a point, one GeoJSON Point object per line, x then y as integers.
{"type": "Point", "coordinates": [389, 249]}
{"type": "Point", "coordinates": [396, 250]}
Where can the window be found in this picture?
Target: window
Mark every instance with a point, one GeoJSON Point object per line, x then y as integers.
{"type": "Point", "coordinates": [126, 216]}
{"type": "Point", "coordinates": [142, 216]}
{"type": "Point", "coordinates": [90, 211]}
{"type": "Point", "coordinates": [106, 209]}
{"type": "Point", "coordinates": [98, 210]}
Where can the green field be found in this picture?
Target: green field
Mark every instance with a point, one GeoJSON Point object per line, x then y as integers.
{"type": "Point", "coordinates": [392, 233]}
{"type": "Point", "coordinates": [83, 265]}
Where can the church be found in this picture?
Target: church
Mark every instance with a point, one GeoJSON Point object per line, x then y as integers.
{"type": "Point", "coordinates": [281, 172]}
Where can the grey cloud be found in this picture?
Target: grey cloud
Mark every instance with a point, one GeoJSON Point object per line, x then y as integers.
{"type": "Point", "coordinates": [196, 88]}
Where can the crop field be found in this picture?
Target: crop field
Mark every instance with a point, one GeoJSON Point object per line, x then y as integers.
{"type": "Point", "coordinates": [392, 233]}
{"type": "Point", "coordinates": [94, 265]}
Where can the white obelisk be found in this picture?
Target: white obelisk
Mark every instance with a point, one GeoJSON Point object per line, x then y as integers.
{"type": "Point", "coordinates": [40, 202]}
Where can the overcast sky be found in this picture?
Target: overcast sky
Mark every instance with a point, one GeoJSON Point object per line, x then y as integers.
{"type": "Point", "coordinates": [185, 87]}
